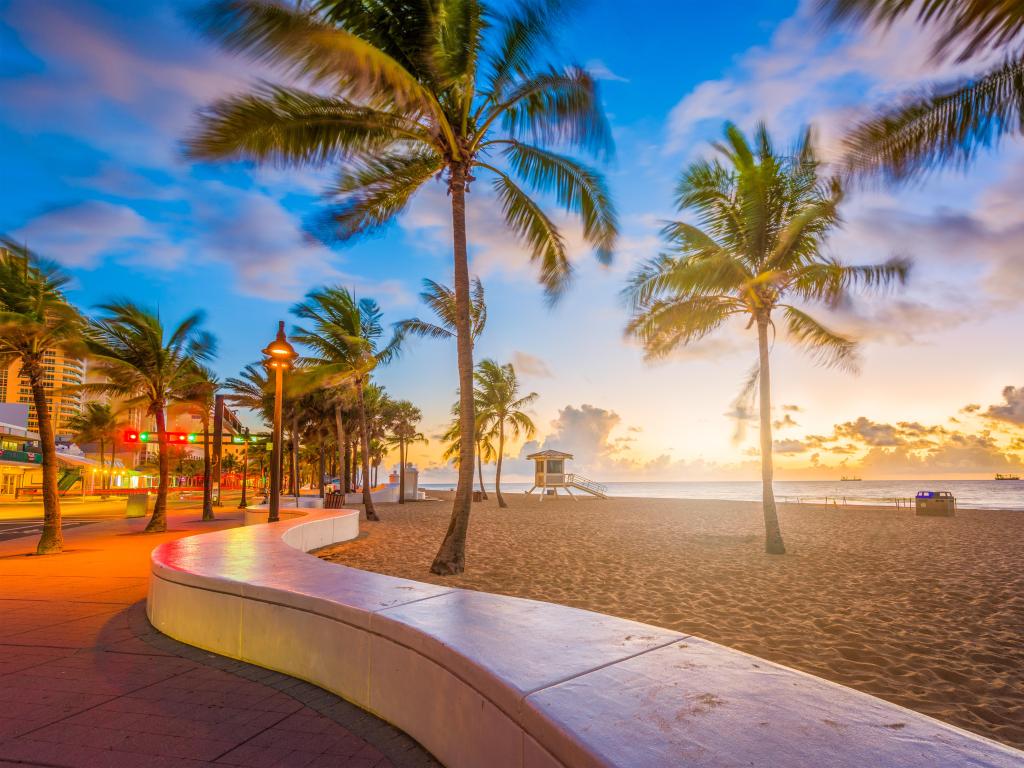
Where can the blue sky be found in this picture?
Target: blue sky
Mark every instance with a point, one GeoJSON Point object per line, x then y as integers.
{"type": "Point", "coordinates": [95, 97]}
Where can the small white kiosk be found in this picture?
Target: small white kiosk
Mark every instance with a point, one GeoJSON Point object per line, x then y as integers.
{"type": "Point", "coordinates": [549, 475]}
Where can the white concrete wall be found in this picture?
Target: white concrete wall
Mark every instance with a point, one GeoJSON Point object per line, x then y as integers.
{"type": "Point", "coordinates": [493, 681]}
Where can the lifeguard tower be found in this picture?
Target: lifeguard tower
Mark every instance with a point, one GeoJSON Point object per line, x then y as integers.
{"type": "Point", "coordinates": [549, 475]}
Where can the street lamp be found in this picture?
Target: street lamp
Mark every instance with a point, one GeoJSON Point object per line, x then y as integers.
{"type": "Point", "coordinates": [280, 355]}
{"type": "Point", "coordinates": [245, 469]}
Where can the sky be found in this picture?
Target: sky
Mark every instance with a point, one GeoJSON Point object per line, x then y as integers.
{"type": "Point", "coordinates": [97, 95]}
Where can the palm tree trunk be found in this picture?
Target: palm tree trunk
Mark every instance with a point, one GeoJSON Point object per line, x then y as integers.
{"type": "Point", "coordinates": [347, 467]}
{"type": "Point", "coordinates": [295, 453]}
{"type": "Point", "coordinates": [52, 539]}
{"type": "Point", "coordinates": [103, 479]}
{"type": "Point", "coordinates": [323, 470]}
{"type": "Point", "coordinates": [401, 471]}
{"type": "Point", "coordinates": [773, 544]}
{"type": "Point", "coordinates": [207, 473]}
{"type": "Point", "coordinates": [158, 522]}
{"type": "Point", "coordinates": [497, 470]}
{"type": "Point", "coordinates": [371, 513]}
{"type": "Point", "coordinates": [339, 432]}
{"type": "Point", "coordinates": [451, 557]}
{"type": "Point", "coordinates": [480, 472]}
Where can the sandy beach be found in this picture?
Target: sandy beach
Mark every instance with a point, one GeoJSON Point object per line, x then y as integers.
{"type": "Point", "coordinates": [924, 612]}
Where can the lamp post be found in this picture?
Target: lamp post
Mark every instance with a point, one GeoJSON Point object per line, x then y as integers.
{"type": "Point", "coordinates": [245, 469]}
{"type": "Point", "coordinates": [280, 355]}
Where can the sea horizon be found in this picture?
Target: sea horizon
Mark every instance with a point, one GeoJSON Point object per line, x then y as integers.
{"type": "Point", "coordinates": [970, 494]}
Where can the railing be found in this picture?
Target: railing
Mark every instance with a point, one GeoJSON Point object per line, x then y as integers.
{"type": "Point", "coordinates": [850, 501]}
{"type": "Point", "coordinates": [587, 485]}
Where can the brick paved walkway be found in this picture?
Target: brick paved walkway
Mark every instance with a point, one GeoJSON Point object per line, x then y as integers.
{"type": "Point", "coordinates": [86, 682]}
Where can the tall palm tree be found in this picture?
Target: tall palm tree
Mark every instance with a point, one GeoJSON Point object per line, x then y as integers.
{"type": "Point", "coordinates": [500, 406]}
{"type": "Point", "coordinates": [148, 367]}
{"type": "Point", "coordinates": [405, 417]}
{"type": "Point", "coordinates": [441, 299]}
{"type": "Point", "coordinates": [199, 394]}
{"type": "Point", "coordinates": [343, 401]}
{"type": "Point", "coordinates": [96, 423]}
{"type": "Point", "coordinates": [401, 93]}
{"type": "Point", "coordinates": [344, 343]}
{"type": "Point", "coordinates": [763, 221]}
{"type": "Point", "coordinates": [945, 124]}
{"type": "Point", "coordinates": [252, 389]}
{"type": "Point", "coordinates": [35, 317]}
{"type": "Point", "coordinates": [484, 448]}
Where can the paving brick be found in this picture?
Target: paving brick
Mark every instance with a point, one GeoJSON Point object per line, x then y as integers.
{"type": "Point", "coordinates": [86, 682]}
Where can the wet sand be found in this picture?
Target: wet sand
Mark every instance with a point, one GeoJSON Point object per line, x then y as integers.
{"type": "Point", "coordinates": [924, 612]}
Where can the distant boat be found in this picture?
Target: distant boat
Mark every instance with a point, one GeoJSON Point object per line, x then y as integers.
{"type": "Point", "coordinates": [851, 479]}
{"type": "Point", "coordinates": [1007, 477]}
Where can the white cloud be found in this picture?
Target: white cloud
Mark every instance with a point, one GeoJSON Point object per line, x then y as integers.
{"type": "Point", "coordinates": [807, 73]}
{"type": "Point", "coordinates": [600, 71]}
{"type": "Point", "coordinates": [269, 253]}
{"type": "Point", "coordinates": [530, 365]}
{"type": "Point", "coordinates": [84, 234]}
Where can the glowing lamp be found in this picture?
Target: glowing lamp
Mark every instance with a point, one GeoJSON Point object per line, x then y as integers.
{"type": "Point", "coordinates": [280, 354]}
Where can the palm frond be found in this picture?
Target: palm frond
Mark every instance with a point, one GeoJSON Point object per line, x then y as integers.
{"type": "Point", "coordinates": [416, 327]}
{"type": "Point", "coordinates": [304, 48]}
{"type": "Point", "coordinates": [715, 273]}
{"type": "Point", "coordinates": [288, 126]}
{"type": "Point", "coordinates": [547, 246]}
{"type": "Point", "coordinates": [663, 325]}
{"type": "Point", "coordinates": [829, 281]}
{"type": "Point", "coordinates": [970, 27]}
{"type": "Point", "coordinates": [374, 193]}
{"type": "Point", "coordinates": [556, 107]}
{"type": "Point", "coordinates": [524, 32]}
{"type": "Point", "coordinates": [947, 125]}
{"type": "Point", "coordinates": [578, 189]}
{"type": "Point", "coordinates": [826, 347]}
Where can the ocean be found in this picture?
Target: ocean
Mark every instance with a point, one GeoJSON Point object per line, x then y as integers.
{"type": "Point", "coordinates": [970, 494]}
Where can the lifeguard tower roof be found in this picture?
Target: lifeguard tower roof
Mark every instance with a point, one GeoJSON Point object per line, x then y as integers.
{"type": "Point", "coordinates": [549, 454]}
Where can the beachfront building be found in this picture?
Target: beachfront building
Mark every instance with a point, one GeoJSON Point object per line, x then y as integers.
{"type": "Point", "coordinates": [61, 374]}
{"type": "Point", "coordinates": [549, 475]}
{"type": "Point", "coordinates": [19, 450]}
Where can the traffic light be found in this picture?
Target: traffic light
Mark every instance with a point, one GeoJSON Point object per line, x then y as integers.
{"type": "Point", "coordinates": [178, 438]}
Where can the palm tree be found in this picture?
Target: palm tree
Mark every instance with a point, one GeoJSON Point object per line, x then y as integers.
{"type": "Point", "coordinates": [148, 367]}
{"type": "Point", "coordinates": [344, 343]}
{"type": "Point", "coordinates": [403, 432]}
{"type": "Point", "coordinates": [481, 442]}
{"type": "Point", "coordinates": [35, 317]}
{"type": "Point", "coordinates": [441, 299]}
{"type": "Point", "coordinates": [96, 423]}
{"type": "Point", "coordinates": [499, 405]}
{"type": "Point", "coordinates": [946, 124]}
{"type": "Point", "coordinates": [763, 221]}
{"type": "Point", "coordinates": [252, 389]}
{"type": "Point", "coordinates": [199, 393]}
{"type": "Point", "coordinates": [402, 93]}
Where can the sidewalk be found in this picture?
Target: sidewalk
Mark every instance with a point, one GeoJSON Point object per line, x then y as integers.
{"type": "Point", "coordinates": [86, 682]}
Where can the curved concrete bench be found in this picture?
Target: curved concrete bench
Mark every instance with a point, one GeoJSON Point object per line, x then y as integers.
{"type": "Point", "coordinates": [487, 680]}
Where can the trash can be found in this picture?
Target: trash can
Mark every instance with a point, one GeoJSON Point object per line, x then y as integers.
{"type": "Point", "coordinates": [138, 505]}
{"type": "Point", "coordinates": [478, 496]}
{"type": "Point", "coordinates": [935, 503]}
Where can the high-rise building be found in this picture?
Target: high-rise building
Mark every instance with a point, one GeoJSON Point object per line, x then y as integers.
{"type": "Point", "coordinates": [61, 375]}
